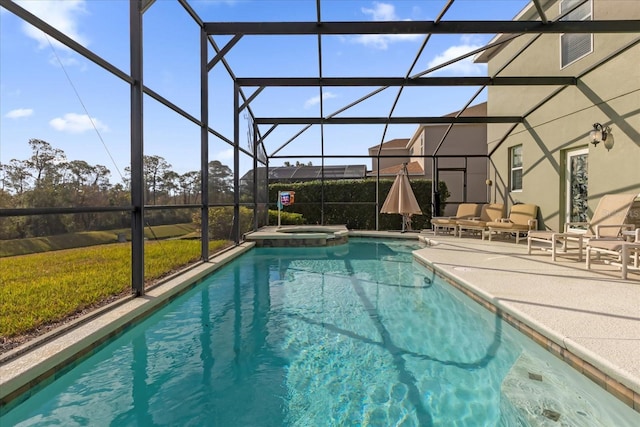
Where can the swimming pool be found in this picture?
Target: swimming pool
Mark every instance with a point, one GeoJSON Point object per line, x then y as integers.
{"type": "Point", "coordinates": [358, 334]}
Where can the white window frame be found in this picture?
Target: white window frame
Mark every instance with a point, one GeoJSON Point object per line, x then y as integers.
{"type": "Point", "coordinates": [513, 168]}
{"type": "Point", "coordinates": [569, 17]}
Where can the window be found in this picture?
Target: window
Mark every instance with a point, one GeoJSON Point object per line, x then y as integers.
{"type": "Point", "coordinates": [577, 186]}
{"type": "Point", "coordinates": [575, 46]}
{"type": "Point", "coordinates": [516, 168]}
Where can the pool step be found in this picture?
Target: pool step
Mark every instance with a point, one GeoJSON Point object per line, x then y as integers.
{"type": "Point", "coordinates": [535, 392]}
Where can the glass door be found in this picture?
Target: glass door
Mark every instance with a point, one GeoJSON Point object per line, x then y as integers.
{"type": "Point", "coordinates": [576, 176]}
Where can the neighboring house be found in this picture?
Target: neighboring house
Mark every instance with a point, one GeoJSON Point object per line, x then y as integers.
{"type": "Point", "coordinates": [396, 148]}
{"type": "Point", "coordinates": [548, 160]}
{"type": "Point", "coordinates": [460, 160]}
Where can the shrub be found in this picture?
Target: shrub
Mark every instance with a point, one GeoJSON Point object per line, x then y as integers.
{"type": "Point", "coordinates": [286, 218]}
{"type": "Point", "coordinates": [221, 222]}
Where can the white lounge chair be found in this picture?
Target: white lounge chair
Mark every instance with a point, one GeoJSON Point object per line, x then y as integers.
{"type": "Point", "coordinates": [607, 222]}
{"type": "Point", "coordinates": [626, 253]}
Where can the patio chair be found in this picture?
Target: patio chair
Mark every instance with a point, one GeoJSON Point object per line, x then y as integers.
{"type": "Point", "coordinates": [489, 212]}
{"type": "Point", "coordinates": [626, 253]}
{"type": "Point", "coordinates": [607, 222]}
{"type": "Point", "coordinates": [522, 219]}
{"type": "Point", "coordinates": [449, 223]}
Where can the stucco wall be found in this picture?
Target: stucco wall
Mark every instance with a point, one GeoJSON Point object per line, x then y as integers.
{"type": "Point", "coordinates": [462, 140]}
{"type": "Point", "coordinates": [401, 153]}
{"type": "Point", "coordinates": [609, 94]}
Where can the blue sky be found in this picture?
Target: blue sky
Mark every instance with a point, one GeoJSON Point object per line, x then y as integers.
{"type": "Point", "coordinates": [49, 92]}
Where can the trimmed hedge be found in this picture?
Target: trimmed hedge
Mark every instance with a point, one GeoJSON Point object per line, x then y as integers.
{"type": "Point", "coordinates": [352, 202]}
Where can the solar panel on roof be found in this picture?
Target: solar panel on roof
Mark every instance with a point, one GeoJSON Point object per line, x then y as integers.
{"type": "Point", "coordinates": [301, 173]}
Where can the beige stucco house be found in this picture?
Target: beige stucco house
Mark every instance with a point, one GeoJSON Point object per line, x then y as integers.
{"type": "Point", "coordinates": [393, 154]}
{"type": "Point", "coordinates": [549, 159]}
{"type": "Point", "coordinates": [460, 159]}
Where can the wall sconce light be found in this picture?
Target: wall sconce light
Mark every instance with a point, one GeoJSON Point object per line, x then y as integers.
{"type": "Point", "coordinates": [601, 133]}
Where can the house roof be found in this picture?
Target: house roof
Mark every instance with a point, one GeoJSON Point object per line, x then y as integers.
{"type": "Point", "coordinates": [307, 173]}
{"type": "Point", "coordinates": [413, 168]}
{"type": "Point", "coordinates": [473, 110]}
{"type": "Point", "coordinates": [392, 144]}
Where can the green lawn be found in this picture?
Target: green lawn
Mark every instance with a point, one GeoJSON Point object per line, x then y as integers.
{"type": "Point", "coordinates": [41, 288]}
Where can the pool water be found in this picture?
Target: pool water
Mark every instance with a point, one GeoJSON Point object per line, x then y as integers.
{"type": "Point", "coordinates": [358, 334]}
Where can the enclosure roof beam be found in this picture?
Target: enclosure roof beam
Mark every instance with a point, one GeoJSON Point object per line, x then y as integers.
{"type": "Point", "coordinates": [223, 51]}
{"type": "Point", "coordinates": [420, 27]}
{"type": "Point", "coordinates": [385, 120]}
{"type": "Point", "coordinates": [541, 13]}
{"type": "Point", "coordinates": [251, 98]}
{"type": "Point", "coordinates": [61, 211]}
{"type": "Point", "coordinates": [400, 81]}
{"type": "Point", "coordinates": [369, 156]}
{"type": "Point", "coordinates": [413, 65]}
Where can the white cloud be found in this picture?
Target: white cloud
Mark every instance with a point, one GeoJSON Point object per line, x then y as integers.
{"type": "Point", "coordinates": [382, 41]}
{"type": "Point", "coordinates": [225, 154]}
{"type": "Point", "coordinates": [19, 113]}
{"type": "Point", "coordinates": [383, 12]}
{"type": "Point", "coordinates": [64, 16]}
{"type": "Point", "coordinates": [465, 66]}
{"type": "Point", "coordinates": [77, 123]}
{"type": "Point", "coordinates": [7, 91]}
{"type": "Point", "coordinates": [65, 60]}
{"type": "Point", "coordinates": [61, 14]}
{"type": "Point", "coordinates": [316, 99]}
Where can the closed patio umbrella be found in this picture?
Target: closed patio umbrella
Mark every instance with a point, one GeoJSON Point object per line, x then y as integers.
{"type": "Point", "coordinates": [401, 199]}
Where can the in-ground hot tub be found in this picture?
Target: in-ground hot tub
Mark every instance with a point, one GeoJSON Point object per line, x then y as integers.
{"type": "Point", "coordinates": [299, 236]}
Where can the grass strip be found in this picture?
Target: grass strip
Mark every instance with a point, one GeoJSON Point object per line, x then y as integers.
{"type": "Point", "coordinates": [42, 288]}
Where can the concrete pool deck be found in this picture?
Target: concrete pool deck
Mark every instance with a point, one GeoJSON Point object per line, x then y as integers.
{"type": "Point", "coordinates": [591, 319]}
{"type": "Point", "coordinates": [591, 314]}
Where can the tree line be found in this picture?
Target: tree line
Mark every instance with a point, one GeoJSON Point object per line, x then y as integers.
{"type": "Point", "coordinates": [48, 179]}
